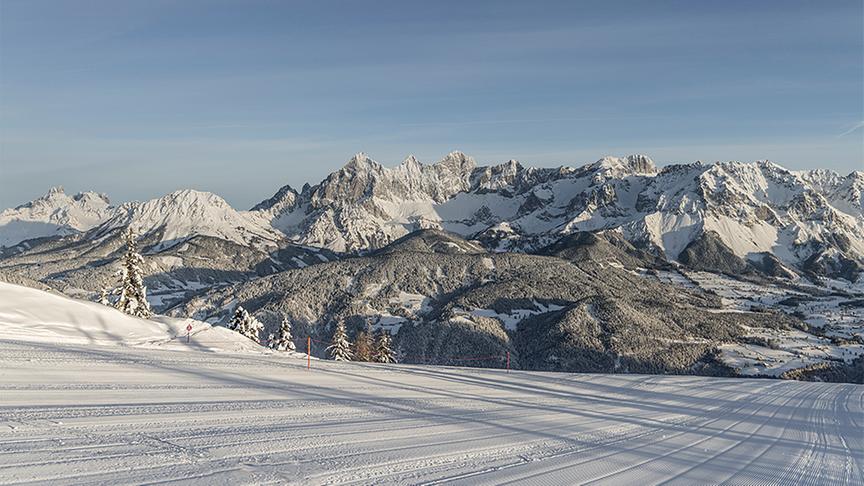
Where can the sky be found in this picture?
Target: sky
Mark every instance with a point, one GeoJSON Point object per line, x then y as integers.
{"type": "Point", "coordinates": [139, 98]}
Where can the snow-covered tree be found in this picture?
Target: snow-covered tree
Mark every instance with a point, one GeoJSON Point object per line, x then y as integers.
{"type": "Point", "coordinates": [384, 348]}
{"type": "Point", "coordinates": [244, 323]}
{"type": "Point", "coordinates": [340, 350]}
{"type": "Point", "coordinates": [103, 296]}
{"type": "Point", "coordinates": [283, 341]}
{"type": "Point", "coordinates": [133, 293]}
{"type": "Point", "coordinates": [364, 346]}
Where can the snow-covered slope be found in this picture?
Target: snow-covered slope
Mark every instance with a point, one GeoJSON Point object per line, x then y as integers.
{"type": "Point", "coordinates": [54, 214]}
{"type": "Point", "coordinates": [85, 415]}
{"type": "Point", "coordinates": [34, 315]}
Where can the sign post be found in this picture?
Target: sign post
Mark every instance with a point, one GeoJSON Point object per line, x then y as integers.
{"type": "Point", "coordinates": [188, 332]}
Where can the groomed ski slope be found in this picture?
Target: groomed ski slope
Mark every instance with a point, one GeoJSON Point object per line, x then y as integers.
{"type": "Point", "coordinates": [107, 414]}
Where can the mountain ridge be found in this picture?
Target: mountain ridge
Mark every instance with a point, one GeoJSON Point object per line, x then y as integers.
{"type": "Point", "coordinates": [812, 221]}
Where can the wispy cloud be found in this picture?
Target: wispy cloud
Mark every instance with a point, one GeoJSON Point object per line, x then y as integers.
{"type": "Point", "coordinates": [855, 127]}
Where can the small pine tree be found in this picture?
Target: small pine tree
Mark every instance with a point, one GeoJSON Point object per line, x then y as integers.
{"type": "Point", "coordinates": [133, 293]}
{"type": "Point", "coordinates": [364, 346]}
{"type": "Point", "coordinates": [103, 297]}
{"type": "Point", "coordinates": [340, 350]}
{"type": "Point", "coordinates": [245, 324]}
{"type": "Point", "coordinates": [283, 341]}
{"type": "Point", "coordinates": [384, 348]}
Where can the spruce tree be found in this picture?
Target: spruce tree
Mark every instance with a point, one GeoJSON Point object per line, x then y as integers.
{"type": "Point", "coordinates": [133, 293]}
{"type": "Point", "coordinates": [340, 350]}
{"type": "Point", "coordinates": [245, 324]}
{"type": "Point", "coordinates": [364, 346]}
{"type": "Point", "coordinates": [103, 297]}
{"type": "Point", "coordinates": [283, 341]}
{"type": "Point", "coordinates": [384, 348]}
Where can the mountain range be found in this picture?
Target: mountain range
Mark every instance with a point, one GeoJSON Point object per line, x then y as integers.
{"type": "Point", "coordinates": [806, 222]}
{"type": "Point", "coordinates": [530, 259]}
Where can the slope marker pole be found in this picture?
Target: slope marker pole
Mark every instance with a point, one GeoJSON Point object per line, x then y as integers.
{"type": "Point", "coordinates": [508, 361]}
{"type": "Point", "coordinates": [308, 352]}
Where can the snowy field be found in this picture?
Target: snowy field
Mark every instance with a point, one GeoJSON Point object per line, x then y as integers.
{"type": "Point", "coordinates": [112, 414]}
{"type": "Point", "coordinates": [91, 396]}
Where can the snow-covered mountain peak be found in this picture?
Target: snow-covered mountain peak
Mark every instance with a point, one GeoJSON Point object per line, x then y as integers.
{"type": "Point", "coordinates": [192, 198]}
{"type": "Point", "coordinates": [57, 197]}
{"type": "Point", "coordinates": [617, 167]}
{"type": "Point", "coordinates": [730, 184]}
{"type": "Point", "coordinates": [361, 162]}
{"type": "Point", "coordinates": [183, 214]}
{"type": "Point", "coordinates": [497, 177]}
{"type": "Point", "coordinates": [844, 193]}
{"type": "Point", "coordinates": [283, 200]}
{"type": "Point", "coordinates": [457, 162]}
{"type": "Point", "coordinates": [411, 161]}
{"type": "Point", "coordinates": [53, 214]}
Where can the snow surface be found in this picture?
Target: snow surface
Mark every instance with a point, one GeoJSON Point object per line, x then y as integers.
{"type": "Point", "coordinates": [512, 319]}
{"type": "Point", "coordinates": [108, 414]}
{"type": "Point", "coordinates": [91, 414]}
{"type": "Point", "coordinates": [34, 315]}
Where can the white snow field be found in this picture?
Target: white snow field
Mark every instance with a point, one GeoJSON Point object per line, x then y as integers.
{"type": "Point", "coordinates": [34, 315]}
{"type": "Point", "coordinates": [83, 413]}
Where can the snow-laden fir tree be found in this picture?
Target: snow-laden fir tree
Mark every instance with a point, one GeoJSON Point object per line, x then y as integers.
{"type": "Point", "coordinates": [283, 341]}
{"type": "Point", "coordinates": [364, 346]}
{"type": "Point", "coordinates": [133, 293]}
{"type": "Point", "coordinates": [244, 323]}
{"type": "Point", "coordinates": [384, 348]}
{"type": "Point", "coordinates": [340, 350]}
{"type": "Point", "coordinates": [103, 297]}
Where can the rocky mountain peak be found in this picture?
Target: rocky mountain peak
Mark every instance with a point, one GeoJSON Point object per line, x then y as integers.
{"type": "Point", "coordinates": [457, 162]}
{"type": "Point", "coordinates": [284, 199]}
{"type": "Point", "coordinates": [361, 162]}
{"type": "Point", "coordinates": [411, 161]}
{"type": "Point", "coordinates": [623, 166]}
{"type": "Point", "coordinates": [497, 177]}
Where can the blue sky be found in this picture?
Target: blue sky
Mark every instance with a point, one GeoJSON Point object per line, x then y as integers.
{"type": "Point", "coordinates": [136, 99]}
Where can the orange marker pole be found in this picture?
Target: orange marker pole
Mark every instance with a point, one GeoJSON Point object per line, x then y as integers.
{"type": "Point", "coordinates": [308, 352]}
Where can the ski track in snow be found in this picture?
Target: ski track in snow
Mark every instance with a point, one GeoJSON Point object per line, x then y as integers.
{"type": "Point", "coordinates": [74, 414]}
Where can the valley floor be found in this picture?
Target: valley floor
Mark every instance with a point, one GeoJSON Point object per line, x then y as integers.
{"type": "Point", "coordinates": [102, 414]}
